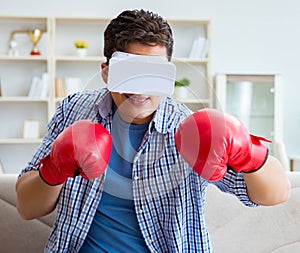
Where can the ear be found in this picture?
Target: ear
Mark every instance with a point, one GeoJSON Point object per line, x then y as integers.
{"type": "Point", "coordinates": [104, 72]}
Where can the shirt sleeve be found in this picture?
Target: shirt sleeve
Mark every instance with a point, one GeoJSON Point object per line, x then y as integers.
{"type": "Point", "coordinates": [233, 183]}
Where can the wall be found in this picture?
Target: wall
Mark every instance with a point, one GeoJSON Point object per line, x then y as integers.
{"type": "Point", "coordinates": [248, 37]}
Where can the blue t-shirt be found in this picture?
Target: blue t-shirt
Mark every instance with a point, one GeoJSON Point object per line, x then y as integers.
{"type": "Point", "coordinates": [115, 227]}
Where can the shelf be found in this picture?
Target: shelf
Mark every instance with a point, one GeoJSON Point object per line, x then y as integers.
{"type": "Point", "coordinates": [87, 20]}
{"type": "Point", "coordinates": [255, 115]}
{"type": "Point", "coordinates": [19, 141]}
{"type": "Point", "coordinates": [23, 58]}
{"type": "Point", "coordinates": [80, 59]}
{"type": "Point", "coordinates": [24, 99]}
{"type": "Point", "coordinates": [193, 101]}
{"type": "Point", "coordinates": [19, 19]}
{"type": "Point", "coordinates": [189, 60]}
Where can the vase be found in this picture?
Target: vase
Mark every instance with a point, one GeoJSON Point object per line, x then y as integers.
{"type": "Point", "coordinates": [181, 92]}
{"type": "Point", "coordinates": [81, 52]}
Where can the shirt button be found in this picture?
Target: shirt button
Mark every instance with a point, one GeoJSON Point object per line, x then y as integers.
{"type": "Point", "coordinates": [136, 178]}
{"type": "Point", "coordinates": [151, 241]}
{"type": "Point", "coordinates": [141, 211]}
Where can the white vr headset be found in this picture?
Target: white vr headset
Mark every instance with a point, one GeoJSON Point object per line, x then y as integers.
{"type": "Point", "coordinates": [141, 74]}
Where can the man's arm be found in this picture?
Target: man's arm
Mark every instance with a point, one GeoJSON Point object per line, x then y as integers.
{"type": "Point", "coordinates": [269, 185]}
{"type": "Point", "coordinates": [211, 142]}
{"type": "Point", "coordinates": [83, 149]}
{"type": "Point", "coordinates": [35, 198]}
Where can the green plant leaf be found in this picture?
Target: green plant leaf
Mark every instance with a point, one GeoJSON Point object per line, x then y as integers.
{"type": "Point", "coordinates": [182, 82]}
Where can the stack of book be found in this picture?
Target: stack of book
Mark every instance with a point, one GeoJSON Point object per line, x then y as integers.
{"type": "Point", "coordinates": [199, 48]}
{"type": "Point", "coordinates": [39, 87]}
{"type": "Point", "coordinates": [64, 87]}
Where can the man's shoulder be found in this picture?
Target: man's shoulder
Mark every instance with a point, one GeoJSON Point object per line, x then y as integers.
{"type": "Point", "coordinates": [170, 114]}
{"type": "Point", "coordinates": [84, 99]}
{"type": "Point", "coordinates": [175, 109]}
{"type": "Point", "coordinates": [84, 104]}
{"type": "Point", "coordinates": [92, 95]}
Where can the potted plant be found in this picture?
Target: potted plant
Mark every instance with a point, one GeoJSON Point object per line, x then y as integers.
{"type": "Point", "coordinates": [81, 47]}
{"type": "Point", "coordinates": [181, 91]}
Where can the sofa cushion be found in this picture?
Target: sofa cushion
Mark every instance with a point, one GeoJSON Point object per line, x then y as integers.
{"type": "Point", "coordinates": [18, 235]}
{"type": "Point", "coordinates": [7, 188]}
{"type": "Point", "coordinates": [261, 229]}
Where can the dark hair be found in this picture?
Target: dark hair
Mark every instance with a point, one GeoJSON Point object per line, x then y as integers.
{"type": "Point", "coordinates": [138, 26]}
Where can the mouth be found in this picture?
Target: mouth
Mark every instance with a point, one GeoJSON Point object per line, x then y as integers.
{"type": "Point", "coordinates": [137, 99]}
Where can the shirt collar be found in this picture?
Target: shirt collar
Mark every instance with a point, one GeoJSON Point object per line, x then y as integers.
{"type": "Point", "coordinates": [165, 119]}
{"type": "Point", "coordinates": [104, 104]}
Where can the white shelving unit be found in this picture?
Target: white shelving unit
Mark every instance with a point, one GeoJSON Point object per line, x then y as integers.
{"type": "Point", "coordinates": [59, 59]}
{"type": "Point", "coordinates": [16, 73]}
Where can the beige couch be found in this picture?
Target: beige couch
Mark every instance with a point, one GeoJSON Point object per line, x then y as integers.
{"type": "Point", "coordinates": [17, 235]}
{"type": "Point", "coordinates": [234, 228]}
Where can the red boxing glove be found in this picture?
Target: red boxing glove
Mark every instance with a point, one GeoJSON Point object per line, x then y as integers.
{"type": "Point", "coordinates": [82, 148]}
{"type": "Point", "coordinates": [210, 140]}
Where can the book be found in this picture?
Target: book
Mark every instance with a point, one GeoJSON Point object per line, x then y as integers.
{"type": "Point", "coordinates": [44, 85]}
{"type": "Point", "coordinates": [198, 48]}
{"type": "Point", "coordinates": [39, 87]}
{"type": "Point", "coordinates": [60, 88]}
{"type": "Point", "coordinates": [205, 50]}
{"type": "Point", "coordinates": [35, 87]}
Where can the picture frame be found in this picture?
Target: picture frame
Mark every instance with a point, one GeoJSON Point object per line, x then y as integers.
{"type": "Point", "coordinates": [31, 129]}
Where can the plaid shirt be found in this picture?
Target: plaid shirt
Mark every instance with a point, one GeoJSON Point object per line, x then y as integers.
{"type": "Point", "coordinates": [168, 194]}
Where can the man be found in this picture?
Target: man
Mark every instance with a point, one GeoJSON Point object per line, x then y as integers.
{"type": "Point", "coordinates": [110, 162]}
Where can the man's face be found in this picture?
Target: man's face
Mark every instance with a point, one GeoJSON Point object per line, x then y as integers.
{"type": "Point", "coordinates": [134, 108]}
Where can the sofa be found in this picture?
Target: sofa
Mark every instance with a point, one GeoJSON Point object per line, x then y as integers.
{"type": "Point", "coordinates": [233, 227]}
